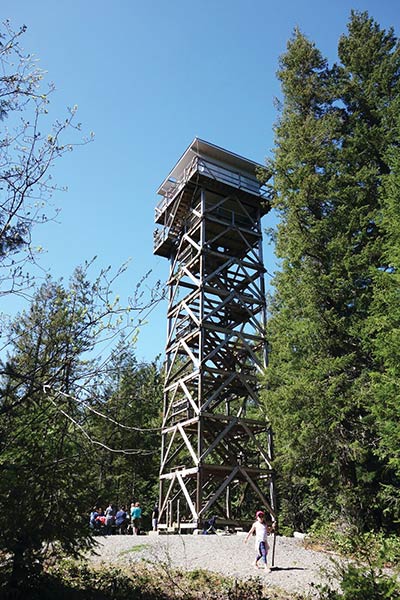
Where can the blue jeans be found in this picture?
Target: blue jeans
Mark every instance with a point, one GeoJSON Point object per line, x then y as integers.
{"type": "Point", "coordinates": [262, 552]}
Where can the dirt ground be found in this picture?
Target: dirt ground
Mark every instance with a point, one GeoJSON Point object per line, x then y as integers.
{"type": "Point", "coordinates": [295, 570]}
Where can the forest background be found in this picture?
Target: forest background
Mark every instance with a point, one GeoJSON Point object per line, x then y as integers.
{"type": "Point", "coordinates": [76, 430]}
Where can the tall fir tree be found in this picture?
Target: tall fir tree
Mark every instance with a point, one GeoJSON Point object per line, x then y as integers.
{"type": "Point", "coordinates": [46, 448]}
{"type": "Point", "coordinates": [129, 398]}
{"type": "Point", "coordinates": [383, 332]}
{"type": "Point", "coordinates": [330, 157]}
{"type": "Point", "coordinates": [43, 459]}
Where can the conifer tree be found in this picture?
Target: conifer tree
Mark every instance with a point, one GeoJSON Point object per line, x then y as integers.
{"type": "Point", "coordinates": [46, 451]}
{"type": "Point", "coordinates": [129, 398]}
{"type": "Point", "coordinates": [43, 465]}
{"type": "Point", "coordinates": [383, 331]}
{"type": "Point", "coordinates": [330, 157]}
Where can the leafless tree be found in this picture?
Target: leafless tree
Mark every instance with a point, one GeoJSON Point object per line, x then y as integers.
{"type": "Point", "coordinates": [29, 147]}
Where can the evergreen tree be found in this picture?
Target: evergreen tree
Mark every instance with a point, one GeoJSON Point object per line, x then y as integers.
{"type": "Point", "coordinates": [130, 400]}
{"type": "Point", "coordinates": [383, 330]}
{"type": "Point", "coordinates": [331, 142]}
{"type": "Point", "coordinates": [45, 451]}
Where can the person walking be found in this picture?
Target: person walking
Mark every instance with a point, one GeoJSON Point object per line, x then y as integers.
{"type": "Point", "coordinates": [261, 529]}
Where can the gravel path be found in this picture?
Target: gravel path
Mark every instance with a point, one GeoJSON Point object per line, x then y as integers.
{"type": "Point", "coordinates": [296, 568]}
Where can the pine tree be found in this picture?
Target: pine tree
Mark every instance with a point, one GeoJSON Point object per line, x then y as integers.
{"type": "Point", "coordinates": [129, 396]}
{"type": "Point", "coordinates": [46, 453]}
{"type": "Point", "coordinates": [331, 141]}
{"type": "Point", "coordinates": [383, 331]}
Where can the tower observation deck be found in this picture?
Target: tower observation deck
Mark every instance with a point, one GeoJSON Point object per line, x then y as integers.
{"type": "Point", "coordinates": [216, 454]}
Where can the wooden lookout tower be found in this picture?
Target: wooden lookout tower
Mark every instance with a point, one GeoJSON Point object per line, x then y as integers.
{"type": "Point", "coordinates": [216, 452]}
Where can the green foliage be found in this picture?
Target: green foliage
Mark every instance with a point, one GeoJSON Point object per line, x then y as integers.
{"type": "Point", "coordinates": [358, 583]}
{"type": "Point", "coordinates": [77, 580]}
{"type": "Point", "coordinates": [70, 580]}
{"type": "Point", "coordinates": [129, 396]}
{"type": "Point", "coordinates": [47, 444]}
{"type": "Point", "coordinates": [331, 537]}
{"type": "Point", "coordinates": [43, 462]}
{"type": "Point", "coordinates": [137, 548]}
{"type": "Point", "coordinates": [381, 549]}
{"type": "Point", "coordinates": [333, 143]}
{"type": "Point", "coordinates": [384, 334]}
{"type": "Point", "coordinates": [50, 471]}
{"type": "Point", "coordinates": [367, 575]}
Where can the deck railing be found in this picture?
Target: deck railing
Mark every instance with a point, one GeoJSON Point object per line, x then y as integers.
{"type": "Point", "coordinates": [213, 171]}
{"type": "Point", "coordinates": [176, 186]}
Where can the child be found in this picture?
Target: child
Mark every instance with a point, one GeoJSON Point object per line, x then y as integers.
{"type": "Point", "coordinates": [261, 529]}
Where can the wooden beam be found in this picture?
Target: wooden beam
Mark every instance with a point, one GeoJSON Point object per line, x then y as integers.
{"type": "Point", "coordinates": [188, 444]}
{"type": "Point", "coordinates": [187, 496]}
{"type": "Point", "coordinates": [218, 439]}
{"type": "Point", "coordinates": [258, 492]}
{"type": "Point", "coordinates": [184, 472]}
{"type": "Point", "coordinates": [219, 491]}
{"type": "Point", "coordinates": [165, 458]}
{"type": "Point", "coordinates": [258, 445]}
{"type": "Point", "coordinates": [162, 508]}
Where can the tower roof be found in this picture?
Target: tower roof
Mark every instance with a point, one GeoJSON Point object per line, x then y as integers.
{"type": "Point", "coordinates": [200, 147]}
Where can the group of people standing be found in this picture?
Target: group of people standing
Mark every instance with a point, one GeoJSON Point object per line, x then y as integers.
{"type": "Point", "coordinates": [115, 519]}
{"type": "Point", "coordinates": [130, 522]}
{"type": "Point", "coordinates": [120, 520]}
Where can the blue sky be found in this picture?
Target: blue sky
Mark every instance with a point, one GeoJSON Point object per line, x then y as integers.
{"type": "Point", "coordinates": [148, 77]}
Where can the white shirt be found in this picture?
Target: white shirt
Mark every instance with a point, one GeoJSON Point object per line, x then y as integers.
{"type": "Point", "coordinates": [261, 534]}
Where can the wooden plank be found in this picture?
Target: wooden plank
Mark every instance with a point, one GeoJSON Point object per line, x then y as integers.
{"type": "Point", "coordinates": [187, 496]}
{"type": "Point", "coordinates": [188, 444]}
{"type": "Point", "coordinates": [166, 455]}
{"type": "Point", "coordinates": [174, 454]}
{"type": "Point", "coordinates": [258, 492]}
{"type": "Point", "coordinates": [184, 472]}
{"type": "Point", "coordinates": [189, 397]}
{"type": "Point", "coordinates": [258, 445]}
{"type": "Point", "coordinates": [218, 438]}
{"type": "Point", "coordinates": [219, 491]}
{"type": "Point", "coordinates": [215, 394]}
{"type": "Point", "coordinates": [195, 360]}
{"type": "Point", "coordinates": [166, 498]}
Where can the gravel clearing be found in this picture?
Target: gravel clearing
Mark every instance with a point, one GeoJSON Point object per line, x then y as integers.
{"type": "Point", "coordinates": [296, 569]}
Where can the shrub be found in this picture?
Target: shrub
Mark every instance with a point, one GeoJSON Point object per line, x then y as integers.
{"type": "Point", "coordinates": [358, 583]}
{"type": "Point", "coordinates": [377, 548]}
